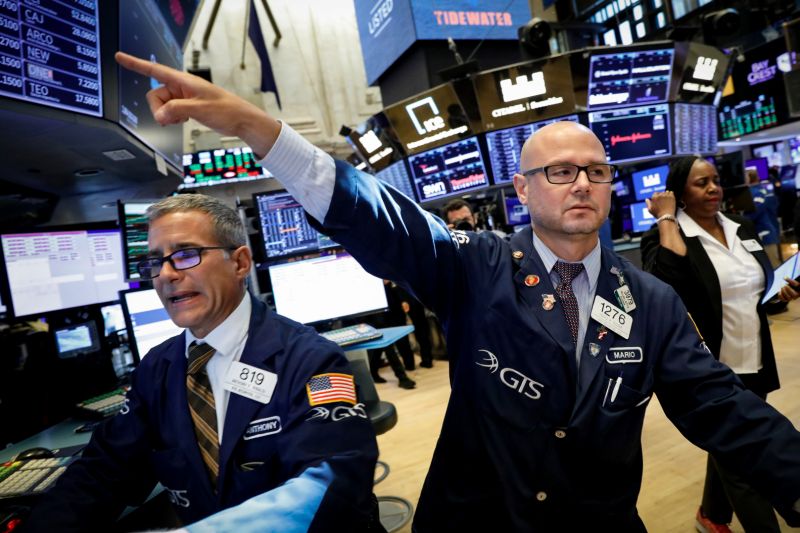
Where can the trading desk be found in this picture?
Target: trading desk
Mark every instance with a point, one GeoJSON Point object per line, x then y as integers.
{"type": "Point", "coordinates": [391, 335]}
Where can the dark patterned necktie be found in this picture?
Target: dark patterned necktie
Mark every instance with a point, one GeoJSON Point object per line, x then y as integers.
{"type": "Point", "coordinates": [568, 272]}
{"type": "Point", "coordinates": [201, 406]}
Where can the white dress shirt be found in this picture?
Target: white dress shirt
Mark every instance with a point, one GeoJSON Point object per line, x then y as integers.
{"type": "Point", "coordinates": [228, 340]}
{"type": "Point", "coordinates": [741, 281]}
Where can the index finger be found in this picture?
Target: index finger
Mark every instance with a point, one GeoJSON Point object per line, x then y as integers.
{"type": "Point", "coordinates": [146, 68]}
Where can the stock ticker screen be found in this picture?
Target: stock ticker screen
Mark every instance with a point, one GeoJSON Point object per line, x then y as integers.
{"type": "Point", "coordinates": [633, 133]}
{"type": "Point", "coordinates": [133, 223]}
{"type": "Point", "coordinates": [397, 176]}
{"type": "Point", "coordinates": [284, 226]}
{"type": "Point", "coordinates": [219, 167]}
{"type": "Point", "coordinates": [629, 78]}
{"type": "Point", "coordinates": [748, 115]}
{"type": "Point", "coordinates": [695, 129]}
{"type": "Point", "coordinates": [505, 147]}
{"type": "Point", "coordinates": [50, 54]}
{"type": "Point", "coordinates": [448, 170]}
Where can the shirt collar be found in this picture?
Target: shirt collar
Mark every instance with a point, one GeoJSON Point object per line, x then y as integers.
{"type": "Point", "coordinates": [591, 263]}
{"type": "Point", "coordinates": [232, 331]}
{"type": "Point", "coordinates": [693, 229]}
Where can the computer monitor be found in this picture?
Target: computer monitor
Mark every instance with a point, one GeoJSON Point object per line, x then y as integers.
{"type": "Point", "coordinates": [788, 178]}
{"type": "Point", "coordinates": [222, 166]}
{"type": "Point", "coordinates": [633, 133]}
{"type": "Point", "coordinates": [32, 69]}
{"type": "Point", "coordinates": [76, 339]}
{"type": "Point", "coordinates": [113, 319]}
{"type": "Point", "coordinates": [516, 213]}
{"type": "Point", "coordinates": [324, 288]}
{"type": "Point", "coordinates": [695, 129]}
{"type": "Point", "coordinates": [147, 321]}
{"type": "Point", "coordinates": [133, 225]}
{"type": "Point", "coordinates": [632, 77]}
{"type": "Point", "coordinates": [397, 176]}
{"type": "Point", "coordinates": [760, 165]}
{"type": "Point", "coordinates": [649, 180]}
{"type": "Point", "coordinates": [284, 226]}
{"type": "Point", "coordinates": [730, 167]}
{"type": "Point", "coordinates": [505, 147]}
{"type": "Point", "coordinates": [51, 270]}
{"type": "Point", "coordinates": [641, 218]}
{"type": "Point", "coordinates": [449, 170]}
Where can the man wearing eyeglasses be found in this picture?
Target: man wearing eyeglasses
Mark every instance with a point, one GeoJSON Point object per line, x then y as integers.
{"type": "Point", "coordinates": [248, 420]}
{"type": "Point", "coordinates": [556, 344]}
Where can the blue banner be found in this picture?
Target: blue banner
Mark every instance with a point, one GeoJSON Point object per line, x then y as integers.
{"type": "Point", "coordinates": [386, 29]}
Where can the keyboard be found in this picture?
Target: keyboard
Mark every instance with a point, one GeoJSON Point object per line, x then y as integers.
{"type": "Point", "coordinates": [103, 406]}
{"type": "Point", "coordinates": [352, 334]}
{"type": "Point", "coordinates": [32, 477]}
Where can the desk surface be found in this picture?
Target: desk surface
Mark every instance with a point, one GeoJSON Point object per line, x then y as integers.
{"type": "Point", "coordinates": [390, 336]}
{"type": "Point", "coordinates": [59, 436]}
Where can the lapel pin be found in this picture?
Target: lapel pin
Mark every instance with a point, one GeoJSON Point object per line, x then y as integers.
{"type": "Point", "coordinates": [517, 254]}
{"type": "Point", "coordinates": [531, 280]}
{"type": "Point", "coordinates": [601, 333]}
{"type": "Point", "coordinates": [594, 349]}
{"type": "Point", "coordinates": [548, 301]}
{"type": "Point", "coordinates": [620, 276]}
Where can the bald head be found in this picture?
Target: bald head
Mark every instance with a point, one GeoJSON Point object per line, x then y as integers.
{"type": "Point", "coordinates": [557, 142]}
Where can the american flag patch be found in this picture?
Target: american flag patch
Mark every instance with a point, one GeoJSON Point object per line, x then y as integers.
{"type": "Point", "coordinates": [329, 388]}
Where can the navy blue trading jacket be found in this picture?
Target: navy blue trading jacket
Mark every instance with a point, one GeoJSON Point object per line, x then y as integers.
{"type": "Point", "coordinates": [154, 440]}
{"type": "Point", "coordinates": [531, 442]}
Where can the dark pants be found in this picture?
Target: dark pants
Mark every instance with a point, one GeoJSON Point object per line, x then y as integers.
{"type": "Point", "coordinates": [391, 356]}
{"type": "Point", "coordinates": [725, 493]}
{"type": "Point", "coordinates": [422, 330]}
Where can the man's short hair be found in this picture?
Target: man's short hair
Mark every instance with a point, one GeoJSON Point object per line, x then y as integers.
{"type": "Point", "coordinates": [227, 226]}
{"type": "Point", "coordinates": [455, 205]}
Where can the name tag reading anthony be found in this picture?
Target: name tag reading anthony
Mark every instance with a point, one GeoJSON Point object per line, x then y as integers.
{"type": "Point", "coordinates": [751, 245]}
{"type": "Point", "coordinates": [251, 382]}
{"type": "Point", "coordinates": [612, 317]}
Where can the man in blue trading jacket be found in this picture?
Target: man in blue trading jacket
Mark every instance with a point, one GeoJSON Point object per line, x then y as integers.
{"type": "Point", "coordinates": [550, 379]}
{"type": "Point", "coordinates": [221, 415]}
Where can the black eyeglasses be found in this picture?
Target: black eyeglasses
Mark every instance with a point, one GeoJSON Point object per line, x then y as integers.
{"type": "Point", "coordinates": [183, 259]}
{"type": "Point", "coordinates": [566, 173]}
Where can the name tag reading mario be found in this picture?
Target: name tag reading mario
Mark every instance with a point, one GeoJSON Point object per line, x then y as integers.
{"type": "Point", "coordinates": [751, 245]}
{"type": "Point", "coordinates": [251, 382]}
{"type": "Point", "coordinates": [612, 317]}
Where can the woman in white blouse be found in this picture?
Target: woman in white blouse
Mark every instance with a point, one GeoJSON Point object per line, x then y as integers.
{"type": "Point", "coordinates": [717, 265]}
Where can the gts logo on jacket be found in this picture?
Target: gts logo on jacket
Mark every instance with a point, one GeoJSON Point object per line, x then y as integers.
{"type": "Point", "coordinates": [513, 379]}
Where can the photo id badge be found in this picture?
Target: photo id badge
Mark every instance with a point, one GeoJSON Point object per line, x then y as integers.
{"type": "Point", "coordinates": [625, 298]}
{"type": "Point", "coordinates": [251, 382]}
{"type": "Point", "coordinates": [612, 317]}
{"type": "Point", "coordinates": [751, 245]}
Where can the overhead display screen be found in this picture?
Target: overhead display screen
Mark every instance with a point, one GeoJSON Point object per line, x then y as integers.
{"type": "Point", "coordinates": [505, 147]}
{"type": "Point", "coordinates": [374, 142]}
{"type": "Point", "coordinates": [633, 133]}
{"type": "Point", "coordinates": [449, 170]}
{"type": "Point", "coordinates": [220, 167]}
{"type": "Point", "coordinates": [146, 34]}
{"type": "Point", "coordinates": [695, 129]}
{"type": "Point", "coordinates": [284, 226]}
{"type": "Point", "coordinates": [629, 78]}
{"type": "Point", "coordinates": [525, 93]}
{"type": "Point", "coordinates": [50, 54]}
{"type": "Point", "coordinates": [704, 71]}
{"type": "Point", "coordinates": [430, 119]}
{"type": "Point", "coordinates": [397, 176]}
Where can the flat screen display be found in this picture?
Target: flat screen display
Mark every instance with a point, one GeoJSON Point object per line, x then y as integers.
{"type": "Point", "coordinates": [525, 93]}
{"type": "Point", "coordinates": [397, 176]}
{"type": "Point", "coordinates": [633, 133]}
{"type": "Point", "coordinates": [641, 217]}
{"type": "Point", "coordinates": [325, 288]}
{"type": "Point", "coordinates": [629, 78]}
{"type": "Point", "coordinates": [76, 339]}
{"type": "Point", "coordinates": [695, 129]}
{"type": "Point", "coordinates": [760, 165]}
{"type": "Point", "coordinates": [147, 34]}
{"type": "Point", "coordinates": [505, 147]}
{"type": "Point", "coordinates": [220, 167]}
{"type": "Point", "coordinates": [50, 54]}
{"type": "Point", "coordinates": [449, 170]}
{"type": "Point", "coordinates": [133, 223]}
{"type": "Point", "coordinates": [704, 71]}
{"type": "Point", "coordinates": [148, 322]}
{"type": "Point", "coordinates": [430, 119]}
{"type": "Point", "coordinates": [284, 226]}
{"type": "Point", "coordinates": [516, 213]}
{"type": "Point", "coordinates": [374, 141]}
{"type": "Point", "coordinates": [788, 177]}
{"type": "Point", "coordinates": [649, 181]}
{"type": "Point", "coordinates": [54, 270]}
{"type": "Point", "coordinates": [113, 319]}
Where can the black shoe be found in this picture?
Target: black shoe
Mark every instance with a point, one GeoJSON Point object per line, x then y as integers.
{"type": "Point", "coordinates": [378, 379]}
{"type": "Point", "coordinates": [407, 383]}
{"type": "Point", "coordinates": [426, 364]}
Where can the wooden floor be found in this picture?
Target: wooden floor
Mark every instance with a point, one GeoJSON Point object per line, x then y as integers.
{"type": "Point", "coordinates": [673, 468]}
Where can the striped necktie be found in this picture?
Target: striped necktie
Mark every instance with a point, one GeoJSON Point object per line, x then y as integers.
{"type": "Point", "coordinates": [568, 272]}
{"type": "Point", "coordinates": [201, 406]}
